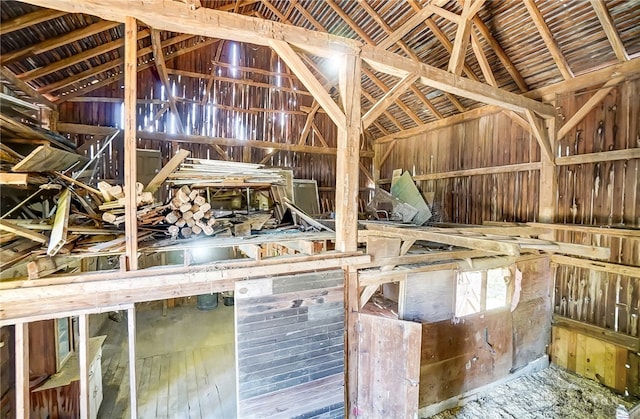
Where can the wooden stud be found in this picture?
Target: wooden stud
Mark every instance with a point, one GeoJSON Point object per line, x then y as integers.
{"type": "Point", "coordinates": [23, 393]}
{"type": "Point", "coordinates": [540, 132]}
{"type": "Point", "coordinates": [83, 358]}
{"type": "Point", "coordinates": [131, 332]}
{"type": "Point", "coordinates": [130, 140]}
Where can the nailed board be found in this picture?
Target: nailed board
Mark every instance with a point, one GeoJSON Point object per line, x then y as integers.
{"type": "Point", "coordinates": [459, 357]}
{"type": "Point", "coordinates": [405, 190]}
{"type": "Point", "coordinates": [298, 321]}
{"type": "Point", "coordinates": [45, 159]}
{"type": "Point", "coordinates": [388, 364]}
{"type": "Point", "coordinates": [60, 224]}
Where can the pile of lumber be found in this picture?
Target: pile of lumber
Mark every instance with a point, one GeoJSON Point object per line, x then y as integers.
{"type": "Point", "coordinates": [148, 213]}
{"type": "Point", "coordinates": [203, 172]}
{"type": "Point", "coordinates": [190, 214]}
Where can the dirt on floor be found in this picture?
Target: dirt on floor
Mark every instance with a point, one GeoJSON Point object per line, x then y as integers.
{"type": "Point", "coordinates": [550, 393]}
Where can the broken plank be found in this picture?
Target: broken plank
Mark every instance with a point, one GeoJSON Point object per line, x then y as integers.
{"type": "Point", "coordinates": [22, 232]}
{"type": "Point", "coordinates": [162, 175]}
{"type": "Point", "coordinates": [46, 158]}
{"type": "Point", "coordinates": [60, 224]}
{"type": "Point", "coordinates": [21, 179]}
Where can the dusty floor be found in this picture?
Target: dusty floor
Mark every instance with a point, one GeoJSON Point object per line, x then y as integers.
{"type": "Point", "coordinates": [551, 393]}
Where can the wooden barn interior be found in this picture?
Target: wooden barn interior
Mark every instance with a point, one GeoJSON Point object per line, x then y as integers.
{"type": "Point", "coordinates": [315, 208]}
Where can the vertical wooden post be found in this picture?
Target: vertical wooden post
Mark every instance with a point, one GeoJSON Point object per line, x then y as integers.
{"type": "Point", "coordinates": [83, 357]}
{"type": "Point", "coordinates": [23, 407]}
{"type": "Point", "coordinates": [351, 340]}
{"type": "Point", "coordinates": [347, 162]}
{"type": "Point", "coordinates": [130, 170]}
{"type": "Point", "coordinates": [131, 323]}
{"type": "Point", "coordinates": [548, 180]}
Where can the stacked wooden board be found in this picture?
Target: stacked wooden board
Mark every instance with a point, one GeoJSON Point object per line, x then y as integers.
{"type": "Point", "coordinates": [218, 173]}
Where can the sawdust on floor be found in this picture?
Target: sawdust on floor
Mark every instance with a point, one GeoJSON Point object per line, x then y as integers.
{"type": "Point", "coordinates": [550, 393]}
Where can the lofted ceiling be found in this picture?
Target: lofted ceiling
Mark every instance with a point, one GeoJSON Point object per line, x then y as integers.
{"type": "Point", "coordinates": [516, 45]}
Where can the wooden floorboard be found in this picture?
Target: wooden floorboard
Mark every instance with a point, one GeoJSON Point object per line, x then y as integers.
{"type": "Point", "coordinates": [194, 379]}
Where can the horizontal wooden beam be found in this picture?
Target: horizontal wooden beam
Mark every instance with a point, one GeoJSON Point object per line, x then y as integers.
{"type": "Point", "coordinates": [145, 285]}
{"type": "Point", "coordinates": [509, 168]}
{"type": "Point", "coordinates": [29, 19]}
{"type": "Point", "coordinates": [430, 257]}
{"type": "Point", "coordinates": [179, 17]}
{"type": "Point", "coordinates": [373, 278]}
{"type": "Point", "coordinates": [37, 97]}
{"type": "Point", "coordinates": [606, 231]}
{"type": "Point", "coordinates": [399, 66]}
{"type": "Point", "coordinates": [612, 268]}
{"type": "Point", "coordinates": [201, 139]}
{"type": "Point", "coordinates": [487, 245]}
{"type": "Point", "coordinates": [628, 154]}
{"type": "Point", "coordinates": [631, 343]}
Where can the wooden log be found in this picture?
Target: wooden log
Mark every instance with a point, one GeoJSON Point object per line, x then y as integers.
{"type": "Point", "coordinates": [104, 189]}
{"type": "Point", "coordinates": [211, 221]}
{"type": "Point", "coordinates": [208, 230]}
{"type": "Point", "coordinates": [187, 215]}
{"type": "Point", "coordinates": [175, 203]}
{"type": "Point", "coordinates": [191, 222]}
{"type": "Point", "coordinates": [198, 215]}
{"type": "Point", "coordinates": [145, 198]}
{"type": "Point", "coordinates": [205, 207]}
{"type": "Point", "coordinates": [185, 207]}
{"type": "Point", "coordinates": [196, 230]}
{"type": "Point", "coordinates": [194, 194]}
{"type": "Point", "coordinates": [186, 232]}
{"type": "Point", "coordinates": [183, 196]}
{"type": "Point", "coordinates": [181, 222]}
{"type": "Point", "coordinates": [195, 208]}
{"type": "Point", "coordinates": [116, 191]}
{"type": "Point", "coordinates": [172, 217]}
{"type": "Point", "coordinates": [200, 200]}
{"type": "Point", "coordinates": [173, 230]}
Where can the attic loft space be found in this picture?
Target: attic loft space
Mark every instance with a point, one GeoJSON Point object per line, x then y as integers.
{"type": "Point", "coordinates": [337, 208]}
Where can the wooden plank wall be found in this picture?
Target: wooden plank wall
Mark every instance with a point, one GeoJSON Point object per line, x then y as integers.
{"type": "Point", "coordinates": [238, 113]}
{"type": "Point", "coordinates": [290, 345]}
{"type": "Point", "coordinates": [463, 354]}
{"type": "Point", "coordinates": [492, 140]}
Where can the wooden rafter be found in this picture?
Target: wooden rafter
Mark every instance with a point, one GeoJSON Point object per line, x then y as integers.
{"type": "Point", "coordinates": [431, 76]}
{"type": "Point", "coordinates": [382, 86]}
{"type": "Point", "coordinates": [541, 134]}
{"type": "Point", "coordinates": [461, 42]}
{"type": "Point", "coordinates": [161, 66]}
{"type": "Point", "coordinates": [105, 67]}
{"type": "Point", "coordinates": [547, 37]}
{"type": "Point", "coordinates": [502, 55]}
{"type": "Point", "coordinates": [482, 59]}
{"type": "Point", "coordinates": [588, 106]}
{"type": "Point", "coordinates": [610, 29]}
{"type": "Point", "coordinates": [29, 19]}
{"type": "Point", "coordinates": [409, 25]}
{"type": "Point", "coordinates": [389, 97]}
{"type": "Point", "coordinates": [295, 63]}
{"type": "Point", "coordinates": [56, 42]}
{"type": "Point", "coordinates": [77, 58]}
{"type": "Point", "coordinates": [6, 74]}
{"type": "Point", "coordinates": [307, 125]}
{"type": "Point", "coordinates": [448, 46]}
{"type": "Point", "coordinates": [391, 118]}
{"type": "Point", "coordinates": [108, 81]}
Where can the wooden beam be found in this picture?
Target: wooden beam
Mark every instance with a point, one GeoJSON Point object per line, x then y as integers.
{"type": "Point", "coordinates": [409, 25]}
{"type": "Point", "coordinates": [23, 392]}
{"type": "Point", "coordinates": [599, 266]}
{"type": "Point", "coordinates": [130, 141]}
{"type": "Point", "coordinates": [588, 106]}
{"type": "Point", "coordinates": [166, 170]}
{"type": "Point", "coordinates": [22, 232]}
{"type": "Point", "coordinates": [119, 288]}
{"type": "Point", "coordinates": [454, 240]}
{"type": "Point", "coordinates": [77, 58]}
{"type": "Point", "coordinates": [387, 99]}
{"type": "Point", "coordinates": [541, 134]}
{"type": "Point", "coordinates": [36, 96]}
{"type": "Point", "coordinates": [431, 76]}
{"type": "Point", "coordinates": [201, 139]}
{"type": "Point", "coordinates": [508, 168]}
{"type": "Point", "coordinates": [485, 67]}
{"type": "Point", "coordinates": [501, 54]}
{"type": "Point", "coordinates": [178, 17]}
{"type": "Point", "coordinates": [605, 231]}
{"type": "Point", "coordinates": [628, 154]}
{"type": "Point", "coordinates": [52, 43]}
{"type": "Point", "coordinates": [307, 124]}
{"type": "Point", "coordinates": [294, 62]}
{"type": "Point", "coordinates": [29, 19]}
{"type": "Point", "coordinates": [610, 29]}
{"type": "Point", "coordinates": [83, 360]}
{"type": "Point", "coordinates": [444, 40]}
{"type": "Point", "coordinates": [377, 278]}
{"type": "Point", "coordinates": [347, 167]}
{"type": "Point", "coordinates": [461, 42]}
{"type": "Point", "coordinates": [60, 224]}
{"type": "Point", "coordinates": [547, 37]}
{"type": "Point", "coordinates": [158, 56]}
{"type": "Point", "coordinates": [131, 349]}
